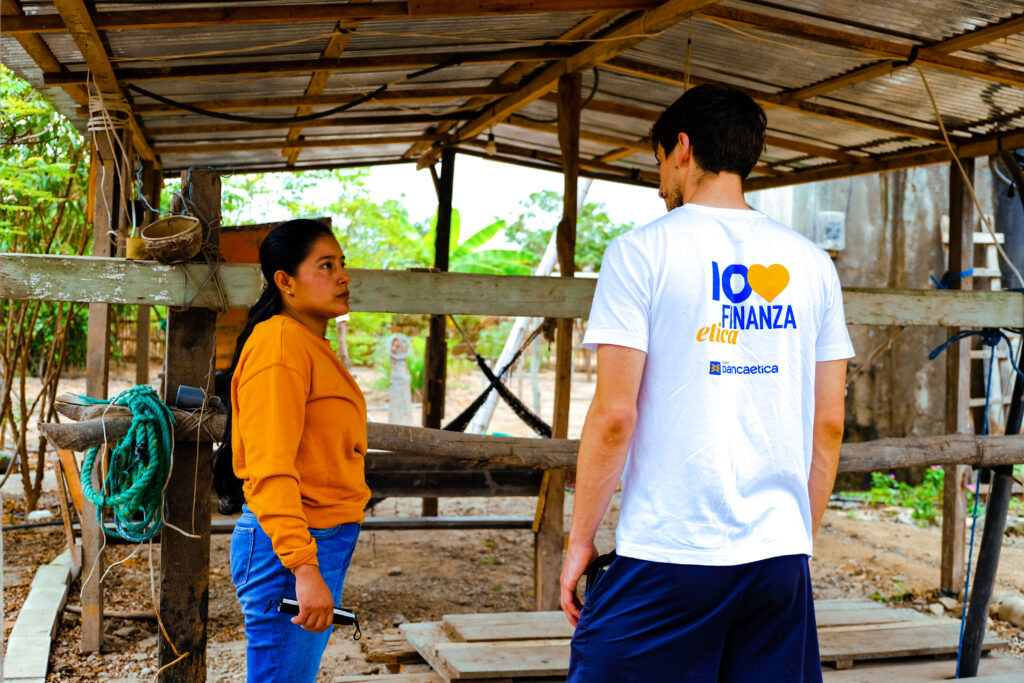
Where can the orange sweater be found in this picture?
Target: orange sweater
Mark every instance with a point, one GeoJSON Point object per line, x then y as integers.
{"type": "Point", "coordinates": [298, 437]}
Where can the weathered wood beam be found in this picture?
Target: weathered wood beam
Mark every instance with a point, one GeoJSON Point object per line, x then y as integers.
{"type": "Point", "coordinates": [814, 149]}
{"type": "Point", "coordinates": [352, 63]}
{"type": "Point", "coordinates": [119, 281]}
{"type": "Point", "coordinates": [613, 140]}
{"type": "Point", "coordinates": [75, 15]}
{"type": "Point", "coordinates": [398, 94]}
{"type": "Point", "coordinates": [984, 35]}
{"type": "Point", "coordinates": [477, 450]}
{"type": "Point", "coordinates": [934, 55]}
{"type": "Point", "coordinates": [919, 156]}
{"type": "Point", "coordinates": [612, 43]}
{"type": "Point", "coordinates": [586, 164]}
{"type": "Point", "coordinates": [263, 167]}
{"type": "Point", "coordinates": [769, 99]}
{"type": "Point", "coordinates": [543, 166]}
{"type": "Point", "coordinates": [38, 50]}
{"type": "Point", "coordinates": [616, 155]}
{"type": "Point", "coordinates": [318, 81]}
{"type": "Point", "coordinates": [292, 13]}
{"type": "Point", "coordinates": [510, 77]}
{"type": "Point", "coordinates": [246, 146]}
{"type": "Point", "coordinates": [366, 119]}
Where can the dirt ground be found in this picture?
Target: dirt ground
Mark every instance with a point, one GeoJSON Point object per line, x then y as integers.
{"type": "Point", "coordinates": [399, 576]}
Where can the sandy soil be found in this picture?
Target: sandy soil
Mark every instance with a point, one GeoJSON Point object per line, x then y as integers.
{"type": "Point", "coordinates": [416, 576]}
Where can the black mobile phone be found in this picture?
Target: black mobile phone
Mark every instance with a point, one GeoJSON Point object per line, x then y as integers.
{"type": "Point", "coordinates": [342, 616]}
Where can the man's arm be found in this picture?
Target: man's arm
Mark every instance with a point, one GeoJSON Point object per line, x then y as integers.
{"type": "Point", "coordinates": [604, 445]}
{"type": "Point", "coordinates": [829, 415]}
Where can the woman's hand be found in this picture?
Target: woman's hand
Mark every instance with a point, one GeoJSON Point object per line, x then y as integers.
{"type": "Point", "coordinates": [316, 604]}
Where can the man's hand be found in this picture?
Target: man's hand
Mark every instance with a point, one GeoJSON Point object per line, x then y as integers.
{"type": "Point", "coordinates": [316, 604]}
{"type": "Point", "coordinates": [577, 559]}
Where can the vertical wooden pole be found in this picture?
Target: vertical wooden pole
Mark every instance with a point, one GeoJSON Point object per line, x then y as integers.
{"type": "Point", "coordinates": [958, 382]}
{"type": "Point", "coordinates": [106, 191]}
{"type": "Point", "coordinates": [151, 185]}
{"type": "Point", "coordinates": [185, 560]}
{"type": "Point", "coordinates": [548, 542]}
{"type": "Point", "coordinates": [436, 356]}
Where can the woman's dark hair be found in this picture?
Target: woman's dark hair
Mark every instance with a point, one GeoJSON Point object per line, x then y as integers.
{"type": "Point", "coordinates": [726, 128]}
{"type": "Point", "coordinates": [284, 248]}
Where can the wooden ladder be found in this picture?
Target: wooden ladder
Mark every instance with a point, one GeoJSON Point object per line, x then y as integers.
{"type": "Point", "coordinates": [987, 277]}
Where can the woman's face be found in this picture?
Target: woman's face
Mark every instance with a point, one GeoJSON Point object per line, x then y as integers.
{"type": "Point", "coordinates": [319, 288]}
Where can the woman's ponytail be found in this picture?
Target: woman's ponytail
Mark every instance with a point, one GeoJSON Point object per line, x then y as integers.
{"type": "Point", "coordinates": [284, 248]}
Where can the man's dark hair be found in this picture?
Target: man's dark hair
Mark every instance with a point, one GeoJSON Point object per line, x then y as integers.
{"type": "Point", "coordinates": [726, 128]}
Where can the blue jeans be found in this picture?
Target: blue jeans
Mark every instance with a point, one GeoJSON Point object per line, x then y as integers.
{"type": "Point", "coordinates": [277, 649]}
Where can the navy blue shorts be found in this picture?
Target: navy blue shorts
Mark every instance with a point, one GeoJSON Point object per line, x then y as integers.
{"type": "Point", "coordinates": [653, 621]}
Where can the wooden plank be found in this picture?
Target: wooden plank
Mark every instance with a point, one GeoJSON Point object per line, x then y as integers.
{"type": "Point", "coordinates": [391, 678]}
{"type": "Point", "coordinates": [874, 643]}
{"type": "Point", "coordinates": [38, 50]}
{"type": "Point", "coordinates": [243, 146]}
{"type": "Point", "coordinates": [993, 670]}
{"type": "Point", "coordinates": [621, 38]}
{"type": "Point", "coordinates": [523, 659]}
{"type": "Point", "coordinates": [396, 94]}
{"type": "Point", "coordinates": [508, 626]}
{"type": "Point", "coordinates": [298, 13]}
{"type": "Point", "coordinates": [427, 637]}
{"type": "Point", "coordinates": [291, 66]}
{"type": "Point", "coordinates": [858, 617]}
{"type": "Point", "coordinates": [958, 382]}
{"type": "Point", "coordinates": [185, 560]}
{"type": "Point", "coordinates": [333, 122]}
{"type": "Point", "coordinates": [388, 648]}
{"type": "Point", "coordinates": [118, 281]}
{"type": "Point", "coordinates": [935, 56]}
{"type": "Point", "coordinates": [76, 17]}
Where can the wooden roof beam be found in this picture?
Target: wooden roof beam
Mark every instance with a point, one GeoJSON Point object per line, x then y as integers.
{"type": "Point", "coordinates": [768, 99]}
{"type": "Point", "coordinates": [38, 50]}
{"type": "Point", "coordinates": [934, 55]}
{"type": "Point", "coordinates": [511, 77]}
{"type": "Point", "coordinates": [294, 13]}
{"type": "Point", "coordinates": [79, 22]}
{"type": "Point", "coordinates": [555, 167]}
{"type": "Point", "coordinates": [398, 94]}
{"type": "Point", "coordinates": [980, 146]}
{"type": "Point", "coordinates": [615, 41]}
{"type": "Point", "coordinates": [367, 119]}
{"type": "Point", "coordinates": [291, 66]}
{"type": "Point", "coordinates": [611, 140]}
{"type": "Point", "coordinates": [192, 148]}
{"type": "Point", "coordinates": [556, 158]}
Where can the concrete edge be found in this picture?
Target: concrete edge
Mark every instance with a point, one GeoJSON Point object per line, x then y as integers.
{"type": "Point", "coordinates": [28, 656]}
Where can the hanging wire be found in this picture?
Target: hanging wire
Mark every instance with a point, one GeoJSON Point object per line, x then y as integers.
{"type": "Point", "coordinates": [593, 91]}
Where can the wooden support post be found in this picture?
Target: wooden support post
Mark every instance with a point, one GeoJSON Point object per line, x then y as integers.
{"type": "Point", "coordinates": [151, 185]}
{"type": "Point", "coordinates": [548, 543]}
{"type": "Point", "coordinates": [106, 190]}
{"type": "Point", "coordinates": [958, 381]}
{"type": "Point", "coordinates": [436, 354]}
{"type": "Point", "coordinates": [185, 560]}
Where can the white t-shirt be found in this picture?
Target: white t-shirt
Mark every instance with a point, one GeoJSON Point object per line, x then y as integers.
{"type": "Point", "coordinates": [733, 310]}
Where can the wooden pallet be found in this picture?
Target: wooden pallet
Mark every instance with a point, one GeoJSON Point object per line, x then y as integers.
{"type": "Point", "coordinates": [534, 646]}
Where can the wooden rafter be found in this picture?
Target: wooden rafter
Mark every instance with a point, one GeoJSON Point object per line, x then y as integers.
{"type": "Point", "coordinates": [39, 52]}
{"type": "Point", "coordinates": [613, 140]}
{"type": "Point", "coordinates": [620, 38]}
{"type": "Point", "coordinates": [553, 167]}
{"type": "Point", "coordinates": [980, 146]}
{"type": "Point", "coordinates": [76, 17]}
{"type": "Point", "coordinates": [935, 55]}
{"type": "Point", "coordinates": [318, 81]}
{"type": "Point", "coordinates": [293, 13]}
{"type": "Point", "coordinates": [508, 150]}
{"type": "Point", "coordinates": [397, 94]}
{"type": "Point", "coordinates": [192, 148]}
{"type": "Point", "coordinates": [266, 67]}
{"type": "Point", "coordinates": [509, 78]}
{"type": "Point", "coordinates": [768, 99]}
{"type": "Point", "coordinates": [367, 119]}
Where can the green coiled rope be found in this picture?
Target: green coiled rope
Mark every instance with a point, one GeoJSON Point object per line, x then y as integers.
{"type": "Point", "coordinates": [139, 467]}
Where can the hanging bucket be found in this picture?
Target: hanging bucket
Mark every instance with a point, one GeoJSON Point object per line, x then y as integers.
{"type": "Point", "coordinates": [173, 239]}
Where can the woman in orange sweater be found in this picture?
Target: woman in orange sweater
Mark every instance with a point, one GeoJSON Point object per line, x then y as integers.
{"type": "Point", "coordinates": [292, 458]}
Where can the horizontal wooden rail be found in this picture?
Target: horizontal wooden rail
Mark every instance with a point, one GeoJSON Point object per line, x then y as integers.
{"type": "Point", "coordinates": [118, 281]}
{"type": "Point", "coordinates": [474, 450]}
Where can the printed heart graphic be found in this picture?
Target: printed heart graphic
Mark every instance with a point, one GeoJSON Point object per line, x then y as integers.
{"type": "Point", "coordinates": [768, 282]}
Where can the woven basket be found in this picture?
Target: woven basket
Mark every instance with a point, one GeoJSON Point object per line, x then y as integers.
{"type": "Point", "coordinates": [173, 239]}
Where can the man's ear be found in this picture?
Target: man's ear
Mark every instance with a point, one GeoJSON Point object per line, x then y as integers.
{"type": "Point", "coordinates": [283, 281]}
{"type": "Point", "coordinates": [684, 150]}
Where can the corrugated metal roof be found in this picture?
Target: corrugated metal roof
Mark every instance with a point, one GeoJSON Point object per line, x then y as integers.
{"type": "Point", "coordinates": [759, 60]}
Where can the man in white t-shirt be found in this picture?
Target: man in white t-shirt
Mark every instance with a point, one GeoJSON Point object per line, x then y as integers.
{"type": "Point", "coordinates": [721, 361]}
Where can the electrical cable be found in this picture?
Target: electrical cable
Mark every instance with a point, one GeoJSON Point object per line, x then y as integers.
{"type": "Point", "coordinates": [588, 100]}
{"type": "Point", "coordinates": [292, 119]}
